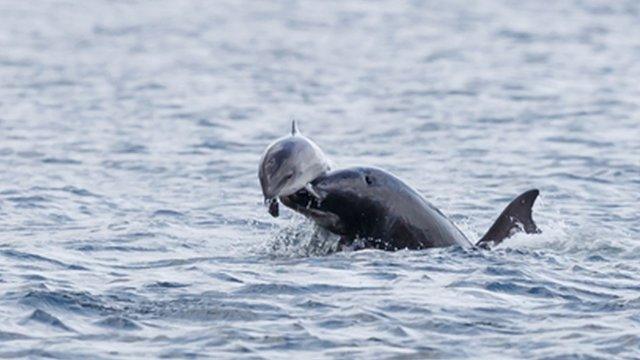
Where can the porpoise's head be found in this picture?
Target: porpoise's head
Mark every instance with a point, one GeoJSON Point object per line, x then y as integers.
{"type": "Point", "coordinates": [288, 165]}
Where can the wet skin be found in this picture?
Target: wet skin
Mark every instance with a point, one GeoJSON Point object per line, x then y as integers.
{"type": "Point", "coordinates": [377, 208]}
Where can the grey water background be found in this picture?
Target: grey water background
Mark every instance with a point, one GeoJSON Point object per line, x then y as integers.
{"type": "Point", "coordinates": [131, 219]}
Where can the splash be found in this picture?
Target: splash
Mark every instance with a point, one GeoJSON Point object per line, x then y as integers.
{"type": "Point", "coordinates": [301, 238]}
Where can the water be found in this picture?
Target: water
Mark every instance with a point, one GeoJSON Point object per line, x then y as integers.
{"type": "Point", "coordinates": [131, 222]}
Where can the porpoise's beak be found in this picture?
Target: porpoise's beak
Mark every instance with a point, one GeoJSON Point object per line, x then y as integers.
{"type": "Point", "coordinates": [270, 197]}
{"type": "Point", "coordinates": [273, 205]}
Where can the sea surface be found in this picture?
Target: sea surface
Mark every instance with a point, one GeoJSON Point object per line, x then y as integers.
{"type": "Point", "coordinates": [131, 217]}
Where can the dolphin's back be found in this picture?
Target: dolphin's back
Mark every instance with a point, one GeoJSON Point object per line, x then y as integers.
{"type": "Point", "coordinates": [384, 212]}
{"type": "Point", "coordinates": [409, 220]}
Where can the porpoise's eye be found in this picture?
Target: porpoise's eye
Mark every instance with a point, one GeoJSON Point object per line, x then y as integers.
{"type": "Point", "coordinates": [271, 164]}
{"type": "Point", "coordinates": [368, 179]}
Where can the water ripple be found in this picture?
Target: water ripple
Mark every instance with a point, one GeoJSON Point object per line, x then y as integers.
{"type": "Point", "coordinates": [131, 218]}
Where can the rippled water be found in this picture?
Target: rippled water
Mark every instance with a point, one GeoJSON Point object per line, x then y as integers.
{"type": "Point", "coordinates": [131, 222]}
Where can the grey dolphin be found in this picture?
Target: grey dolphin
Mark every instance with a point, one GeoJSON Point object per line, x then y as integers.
{"type": "Point", "coordinates": [382, 211]}
{"type": "Point", "coordinates": [288, 165]}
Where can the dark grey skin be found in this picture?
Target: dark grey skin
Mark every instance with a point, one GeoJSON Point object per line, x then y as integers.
{"type": "Point", "coordinates": [383, 212]}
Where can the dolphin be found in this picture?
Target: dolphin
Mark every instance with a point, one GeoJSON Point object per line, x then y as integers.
{"type": "Point", "coordinates": [381, 211]}
{"type": "Point", "coordinates": [289, 164]}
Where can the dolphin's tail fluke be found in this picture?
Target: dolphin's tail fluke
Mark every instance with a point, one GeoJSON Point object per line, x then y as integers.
{"type": "Point", "coordinates": [515, 217]}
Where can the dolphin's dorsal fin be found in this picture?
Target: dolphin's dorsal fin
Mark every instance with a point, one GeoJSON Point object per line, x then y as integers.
{"type": "Point", "coordinates": [294, 128]}
{"type": "Point", "coordinates": [515, 217]}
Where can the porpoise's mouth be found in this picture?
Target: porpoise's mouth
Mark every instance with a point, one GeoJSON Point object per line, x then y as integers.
{"type": "Point", "coordinates": [307, 193]}
{"type": "Point", "coordinates": [273, 206]}
{"type": "Point", "coordinates": [271, 201]}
